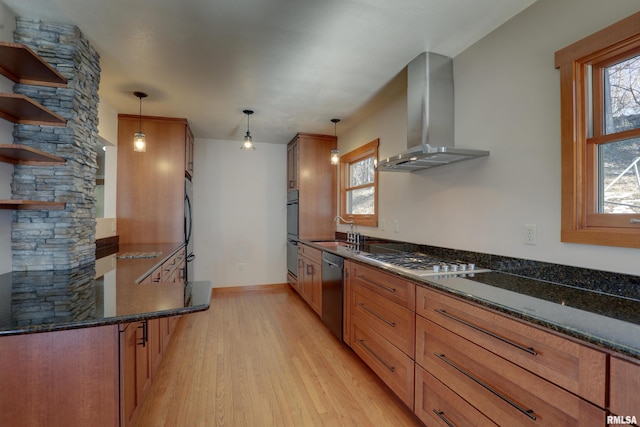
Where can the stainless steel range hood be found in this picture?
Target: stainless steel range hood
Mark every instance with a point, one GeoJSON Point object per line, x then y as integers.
{"type": "Point", "coordinates": [430, 131]}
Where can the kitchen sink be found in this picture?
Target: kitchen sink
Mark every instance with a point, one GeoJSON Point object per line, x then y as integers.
{"type": "Point", "coordinates": [330, 243]}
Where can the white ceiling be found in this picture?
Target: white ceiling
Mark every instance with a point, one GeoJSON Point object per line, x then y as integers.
{"type": "Point", "coordinates": [297, 63]}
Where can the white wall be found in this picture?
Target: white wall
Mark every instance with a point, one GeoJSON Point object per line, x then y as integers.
{"type": "Point", "coordinates": [108, 133]}
{"type": "Point", "coordinates": [239, 213]}
{"type": "Point", "coordinates": [507, 101]}
{"type": "Point", "coordinates": [7, 26]}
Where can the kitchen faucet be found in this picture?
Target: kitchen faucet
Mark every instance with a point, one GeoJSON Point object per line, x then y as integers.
{"type": "Point", "coordinates": [351, 236]}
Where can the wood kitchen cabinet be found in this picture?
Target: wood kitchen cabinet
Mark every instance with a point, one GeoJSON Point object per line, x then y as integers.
{"type": "Point", "coordinates": [61, 378]}
{"type": "Point", "coordinates": [309, 171]}
{"type": "Point", "coordinates": [150, 193]}
{"type": "Point", "coordinates": [511, 372]}
{"type": "Point", "coordinates": [309, 283]}
{"type": "Point", "coordinates": [142, 346]}
{"type": "Point", "coordinates": [136, 369]}
{"type": "Point", "coordinates": [380, 325]}
{"type": "Point", "coordinates": [625, 387]}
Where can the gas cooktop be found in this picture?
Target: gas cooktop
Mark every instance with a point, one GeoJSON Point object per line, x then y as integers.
{"type": "Point", "coordinates": [422, 265]}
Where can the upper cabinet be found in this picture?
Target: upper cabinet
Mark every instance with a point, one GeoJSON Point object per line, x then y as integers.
{"type": "Point", "coordinates": [310, 172]}
{"type": "Point", "coordinates": [292, 165]}
{"type": "Point", "coordinates": [188, 154]}
{"type": "Point", "coordinates": [151, 185]}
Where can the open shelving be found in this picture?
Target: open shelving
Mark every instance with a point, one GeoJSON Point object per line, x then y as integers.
{"type": "Point", "coordinates": [18, 154]}
{"type": "Point", "coordinates": [21, 65]}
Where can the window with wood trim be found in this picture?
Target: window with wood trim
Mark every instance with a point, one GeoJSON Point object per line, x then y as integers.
{"type": "Point", "coordinates": [359, 185]}
{"type": "Point", "coordinates": [600, 125]}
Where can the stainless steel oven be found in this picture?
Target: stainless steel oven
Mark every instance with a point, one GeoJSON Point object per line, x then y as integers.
{"type": "Point", "coordinates": [292, 215]}
{"type": "Point", "coordinates": [292, 257]}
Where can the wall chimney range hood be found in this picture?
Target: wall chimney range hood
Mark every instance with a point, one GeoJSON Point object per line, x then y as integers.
{"type": "Point", "coordinates": [430, 130]}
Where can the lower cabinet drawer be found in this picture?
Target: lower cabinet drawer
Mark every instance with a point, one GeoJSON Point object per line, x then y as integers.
{"type": "Point", "coordinates": [437, 405]}
{"type": "Point", "coordinates": [565, 362]}
{"type": "Point", "coordinates": [393, 367]}
{"type": "Point", "coordinates": [394, 322]}
{"type": "Point", "coordinates": [502, 391]}
{"type": "Point", "coordinates": [625, 388]}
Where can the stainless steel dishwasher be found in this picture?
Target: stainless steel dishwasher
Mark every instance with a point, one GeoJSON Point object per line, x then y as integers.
{"type": "Point", "coordinates": [332, 286]}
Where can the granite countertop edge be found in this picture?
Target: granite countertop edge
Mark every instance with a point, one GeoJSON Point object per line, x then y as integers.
{"type": "Point", "coordinates": [581, 335]}
{"type": "Point", "coordinates": [200, 295]}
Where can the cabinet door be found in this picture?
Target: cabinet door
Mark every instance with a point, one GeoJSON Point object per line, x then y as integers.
{"type": "Point", "coordinates": [150, 188]}
{"type": "Point", "coordinates": [155, 343]}
{"type": "Point", "coordinates": [188, 155]}
{"type": "Point", "coordinates": [136, 369]}
{"type": "Point", "coordinates": [292, 166]}
{"type": "Point", "coordinates": [315, 287]}
{"type": "Point", "coordinates": [624, 386]}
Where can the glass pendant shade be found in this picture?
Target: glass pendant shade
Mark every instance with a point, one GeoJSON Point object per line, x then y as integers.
{"type": "Point", "coordinates": [139, 138]}
{"type": "Point", "coordinates": [335, 153]}
{"type": "Point", "coordinates": [139, 142]}
{"type": "Point", "coordinates": [247, 145]}
{"type": "Point", "coordinates": [335, 156]}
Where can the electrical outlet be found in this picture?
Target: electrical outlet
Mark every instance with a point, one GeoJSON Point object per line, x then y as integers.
{"type": "Point", "coordinates": [530, 234]}
{"type": "Point", "coordinates": [396, 226]}
{"type": "Point", "coordinates": [383, 225]}
{"type": "Point", "coordinates": [241, 266]}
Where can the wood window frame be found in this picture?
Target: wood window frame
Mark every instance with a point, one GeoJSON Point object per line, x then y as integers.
{"type": "Point", "coordinates": [368, 150]}
{"type": "Point", "coordinates": [580, 223]}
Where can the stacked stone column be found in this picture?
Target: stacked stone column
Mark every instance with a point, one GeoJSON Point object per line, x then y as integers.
{"type": "Point", "coordinates": [58, 239]}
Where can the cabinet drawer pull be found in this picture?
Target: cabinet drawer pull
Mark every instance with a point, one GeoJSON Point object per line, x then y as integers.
{"type": "Point", "coordinates": [392, 324]}
{"type": "Point", "coordinates": [389, 367]}
{"type": "Point", "coordinates": [528, 412]}
{"type": "Point", "coordinates": [529, 350]}
{"type": "Point", "coordinates": [144, 325]}
{"type": "Point", "coordinates": [444, 419]}
{"type": "Point", "coordinates": [373, 282]}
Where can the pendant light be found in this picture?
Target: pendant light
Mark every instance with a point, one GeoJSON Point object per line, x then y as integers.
{"type": "Point", "coordinates": [139, 138]}
{"type": "Point", "coordinates": [335, 153]}
{"type": "Point", "coordinates": [247, 145]}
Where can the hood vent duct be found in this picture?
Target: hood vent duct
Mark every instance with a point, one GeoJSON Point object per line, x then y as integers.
{"type": "Point", "coordinates": [430, 131]}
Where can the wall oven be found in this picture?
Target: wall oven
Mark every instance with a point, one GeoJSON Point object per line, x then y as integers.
{"type": "Point", "coordinates": [292, 232]}
{"type": "Point", "coordinates": [292, 215]}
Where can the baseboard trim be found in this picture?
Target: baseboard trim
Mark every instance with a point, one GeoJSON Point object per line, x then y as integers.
{"type": "Point", "coordinates": [252, 288]}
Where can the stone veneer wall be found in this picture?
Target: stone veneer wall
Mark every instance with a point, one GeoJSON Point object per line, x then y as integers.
{"type": "Point", "coordinates": [58, 239]}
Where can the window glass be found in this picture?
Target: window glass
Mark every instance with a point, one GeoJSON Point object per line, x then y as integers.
{"type": "Point", "coordinates": [362, 172]}
{"type": "Point", "coordinates": [619, 180]}
{"type": "Point", "coordinates": [622, 95]}
{"type": "Point", "coordinates": [361, 201]}
{"type": "Point", "coordinates": [358, 185]}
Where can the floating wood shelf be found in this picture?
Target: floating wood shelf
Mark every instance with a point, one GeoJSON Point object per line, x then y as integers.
{"type": "Point", "coordinates": [20, 64]}
{"type": "Point", "coordinates": [22, 109]}
{"type": "Point", "coordinates": [31, 205]}
{"type": "Point", "coordinates": [18, 154]}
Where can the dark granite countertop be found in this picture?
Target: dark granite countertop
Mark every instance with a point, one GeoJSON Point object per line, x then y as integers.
{"type": "Point", "coordinates": [608, 320]}
{"type": "Point", "coordinates": [103, 293]}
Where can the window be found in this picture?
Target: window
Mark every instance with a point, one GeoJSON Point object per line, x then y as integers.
{"type": "Point", "coordinates": [359, 185]}
{"type": "Point", "coordinates": [600, 119]}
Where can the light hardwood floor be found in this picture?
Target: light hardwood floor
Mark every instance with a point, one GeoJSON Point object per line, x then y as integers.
{"type": "Point", "coordinates": [263, 358]}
